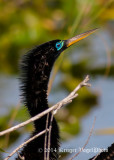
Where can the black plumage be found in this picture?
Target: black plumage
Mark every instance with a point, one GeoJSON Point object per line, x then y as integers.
{"type": "Point", "coordinates": [106, 155]}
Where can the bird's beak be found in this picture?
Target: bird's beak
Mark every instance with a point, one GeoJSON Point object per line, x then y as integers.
{"type": "Point", "coordinates": [79, 37]}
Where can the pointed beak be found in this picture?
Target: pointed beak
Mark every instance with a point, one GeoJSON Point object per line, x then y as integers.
{"type": "Point", "coordinates": [79, 37]}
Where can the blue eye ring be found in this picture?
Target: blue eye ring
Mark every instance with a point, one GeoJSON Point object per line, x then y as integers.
{"type": "Point", "coordinates": [59, 45]}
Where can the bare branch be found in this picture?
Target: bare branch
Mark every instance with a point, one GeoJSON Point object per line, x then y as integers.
{"type": "Point", "coordinates": [97, 155]}
{"type": "Point", "coordinates": [86, 141]}
{"type": "Point", "coordinates": [49, 136]}
{"type": "Point", "coordinates": [57, 106]}
{"type": "Point", "coordinates": [21, 157]}
{"type": "Point", "coordinates": [23, 144]}
{"type": "Point", "coordinates": [45, 142]}
{"type": "Point", "coordinates": [54, 108]}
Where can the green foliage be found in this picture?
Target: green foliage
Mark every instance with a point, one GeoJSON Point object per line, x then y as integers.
{"type": "Point", "coordinates": [69, 129]}
{"type": "Point", "coordinates": [28, 23]}
{"type": "Point", "coordinates": [1, 150]}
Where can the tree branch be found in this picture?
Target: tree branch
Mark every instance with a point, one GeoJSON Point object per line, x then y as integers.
{"type": "Point", "coordinates": [23, 144]}
{"type": "Point", "coordinates": [49, 136]}
{"type": "Point", "coordinates": [45, 142]}
{"type": "Point", "coordinates": [54, 108]}
{"type": "Point", "coordinates": [86, 141]}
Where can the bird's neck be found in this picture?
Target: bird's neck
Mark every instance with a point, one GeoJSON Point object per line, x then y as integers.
{"type": "Point", "coordinates": [35, 85]}
{"type": "Point", "coordinates": [36, 68]}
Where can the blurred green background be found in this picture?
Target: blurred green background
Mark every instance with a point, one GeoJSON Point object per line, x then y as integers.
{"type": "Point", "coordinates": [24, 24]}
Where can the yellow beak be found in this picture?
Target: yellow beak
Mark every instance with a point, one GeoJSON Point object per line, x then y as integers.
{"type": "Point", "coordinates": [79, 37]}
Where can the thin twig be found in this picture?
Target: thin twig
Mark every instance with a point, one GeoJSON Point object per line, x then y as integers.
{"type": "Point", "coordinates": [29, 140]}
{"type": "Point", "coordinates": [108, 54]}
{"type": "Point", "coordinates": [21, 157]}
{"type": "Point", "coordinates": [91, 131]}
{"type": "Point", "coordinates": [10, 123]}
{"type": "Point", "coordinates": [66, 100]}
{"type": "Point", "coordinates": [45, 142]}
{"type": "Point", "coordinates": [49, 137]}
{"type": "Point", "coordinates": [96, 155]}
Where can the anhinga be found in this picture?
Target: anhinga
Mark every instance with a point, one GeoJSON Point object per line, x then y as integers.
{"type": "Point", "coordinates": [36, 66]}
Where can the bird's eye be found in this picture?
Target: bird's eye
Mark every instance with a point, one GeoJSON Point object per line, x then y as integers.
{"type": "Point", "coordinates": [59, 45]}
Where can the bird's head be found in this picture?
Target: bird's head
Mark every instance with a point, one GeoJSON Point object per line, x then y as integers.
{"type": "Point", "coordinates": [55, 47]}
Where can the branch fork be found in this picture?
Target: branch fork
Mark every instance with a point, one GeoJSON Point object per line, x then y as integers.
{"type": "Point", "coordinates": [52, 109]}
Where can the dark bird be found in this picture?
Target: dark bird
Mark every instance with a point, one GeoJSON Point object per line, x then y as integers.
{"type": "Point", "coordinates": [36, 66]}
{"type": "Point", "coordinates": [107, 154]}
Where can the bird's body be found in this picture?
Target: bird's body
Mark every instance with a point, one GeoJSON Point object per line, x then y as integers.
{"type": "Point", "coordinates": [36, 67]}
